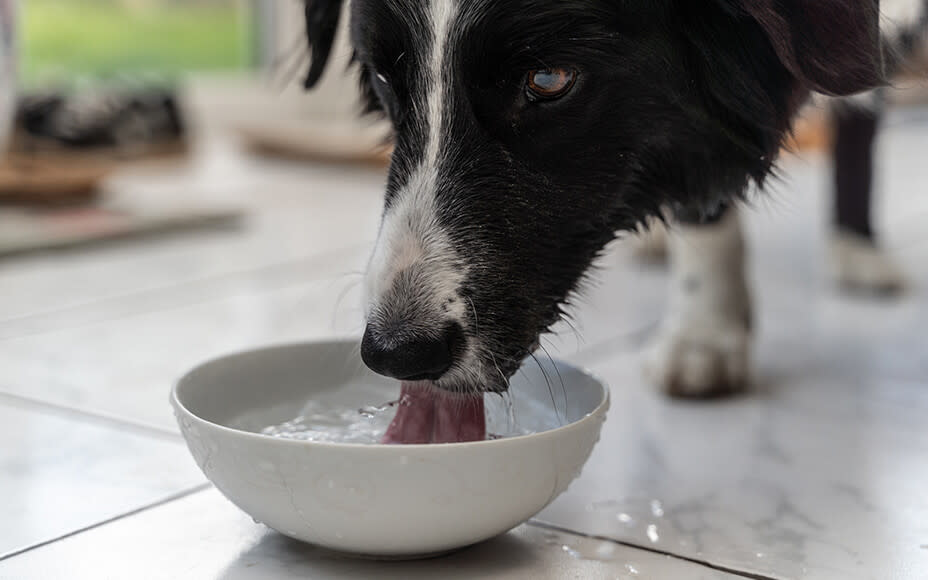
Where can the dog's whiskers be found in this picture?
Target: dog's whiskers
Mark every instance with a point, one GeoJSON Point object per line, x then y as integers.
{"type": "Point", "coordinates": [544, 373]}
{"type": "Point", "coordinates": [558, 371]}
{"type": "Point", "coordinates": [474, 310]}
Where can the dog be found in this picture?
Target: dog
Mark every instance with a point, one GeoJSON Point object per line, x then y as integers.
{"type": "Point", "coordinates": [528, 134]}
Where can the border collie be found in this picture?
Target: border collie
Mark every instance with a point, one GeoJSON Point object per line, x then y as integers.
{"type": "Point", "coordinates": [529, 133]}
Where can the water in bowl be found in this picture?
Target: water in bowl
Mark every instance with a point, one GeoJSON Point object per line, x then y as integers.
{"type": "Point", "coordinates": [339, 424]}
{"type": "Point", "coordinates": [336, 424]}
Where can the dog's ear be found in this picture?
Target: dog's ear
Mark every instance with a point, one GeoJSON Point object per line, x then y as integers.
{"type": "Point", "coordinates": [321, 24]}
{"type": "Point", "coordinates": [830, 46]}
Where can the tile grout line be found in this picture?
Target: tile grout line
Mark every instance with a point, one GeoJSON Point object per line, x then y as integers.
{"type": "Point", "coordinates": [96, 417]}
{"type": "Point", "coordinates": [704, 563]}
{"type": "Point", "coordinates": [163, 501]}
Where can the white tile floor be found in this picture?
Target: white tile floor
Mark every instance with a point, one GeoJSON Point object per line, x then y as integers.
{"type": "Point", "coordinates": [820, 473]}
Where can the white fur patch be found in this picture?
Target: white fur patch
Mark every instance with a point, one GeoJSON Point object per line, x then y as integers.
{"type": "Point", "coordinates": [442, 19]}
{"type": "Point", "coordinates": [411, 237]}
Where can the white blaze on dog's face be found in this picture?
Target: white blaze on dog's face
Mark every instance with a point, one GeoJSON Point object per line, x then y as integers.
{"type": "Point", "coordinates": [414, 260]}
{"type": "Point", "coordinates": [414, 277]}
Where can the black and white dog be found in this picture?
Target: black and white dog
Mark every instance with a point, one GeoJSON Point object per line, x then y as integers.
{"type": "Point", "coordinates": [528, 133]}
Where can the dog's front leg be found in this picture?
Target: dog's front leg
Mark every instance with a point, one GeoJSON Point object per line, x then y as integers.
{"type": "Point", "coordinates": [703, 346]}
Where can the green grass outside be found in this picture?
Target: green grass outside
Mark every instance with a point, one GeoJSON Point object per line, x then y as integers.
{"type": "Point", "coordinates": [63, 40]}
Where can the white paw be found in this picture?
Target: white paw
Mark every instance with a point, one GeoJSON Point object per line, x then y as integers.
{"type": "Point", "coordinates": [650, 245]}
{"type": "Point", "coordinates": [700, 360]}
{"type": "Point", "coordinates": [703, 346]}
{"type": "Point", "coordinates": [859, 265]}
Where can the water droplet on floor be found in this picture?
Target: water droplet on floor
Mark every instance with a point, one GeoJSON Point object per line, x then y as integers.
{"type": "Point", "coordinates": [759, 554]}
{"type": "Point", "coordinates": [625, 518]}
{"type": "Point", "coordinates": [571, 552]}
{"type": "Point", "coordinates": [605, 551]}
{"type": "Point", "coordinates": [657, 509]}
{"type": "Point", "coordinates": [652, 533]}
{"type": "Point", "coordinates": [631, 569]}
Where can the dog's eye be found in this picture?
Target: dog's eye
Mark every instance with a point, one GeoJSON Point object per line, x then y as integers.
{"type": "Point", "coordinates": [549, 83]}
{"type": "Point", "coordinates": [385, 95]}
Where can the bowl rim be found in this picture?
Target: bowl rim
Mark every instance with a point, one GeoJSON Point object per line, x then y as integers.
{"type": "Point", "coordinates": [179, 408]}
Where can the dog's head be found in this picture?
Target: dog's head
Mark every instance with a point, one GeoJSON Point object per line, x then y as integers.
{"type": "Point", "coordinates": [529, 132]}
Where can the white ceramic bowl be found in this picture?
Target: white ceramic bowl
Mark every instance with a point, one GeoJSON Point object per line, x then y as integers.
{"type": "Point", "coordinates": [378, 500]}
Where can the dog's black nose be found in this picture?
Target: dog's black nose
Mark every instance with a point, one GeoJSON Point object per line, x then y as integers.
{"type": "Point", "coordinates": [410, 360]}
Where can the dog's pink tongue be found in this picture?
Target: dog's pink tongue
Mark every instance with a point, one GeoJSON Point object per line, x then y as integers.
{"type": "Point", "coordinates": [427, 415]}
{"type": "Point", "coordinates": [459, 418]}
{"type": "Point", "coordinates": [415, 415]}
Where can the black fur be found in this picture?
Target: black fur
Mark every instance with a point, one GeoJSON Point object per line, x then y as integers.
{"type": "Point", "coordinates": [831, 46]}
{"type": "Point", "coordinates": [678, 104]}
{"type": "Point", "coordinates": [321, 17]}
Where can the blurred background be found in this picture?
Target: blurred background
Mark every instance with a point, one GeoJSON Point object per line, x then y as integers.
{"type": "Point", "coordinates": [105, 86]}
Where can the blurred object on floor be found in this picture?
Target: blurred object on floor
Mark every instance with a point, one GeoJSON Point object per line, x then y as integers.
{"type": "Point", "coordinates": [58, 185]}
{"type": "Point", "coordinates": [34, 180]}
{"type": "Point", "coordinates": [286, 123]}
{"type": "Point", "coordinates": [280, 118]}
{"type": "Point", "coordinates": [338, 142]}
{"type": "Point", "coordinates": [125, 124]}
{"type": "Point", "coordinates": [31, 229]}
{"type": "Point", "coordinates": [63, 146]}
